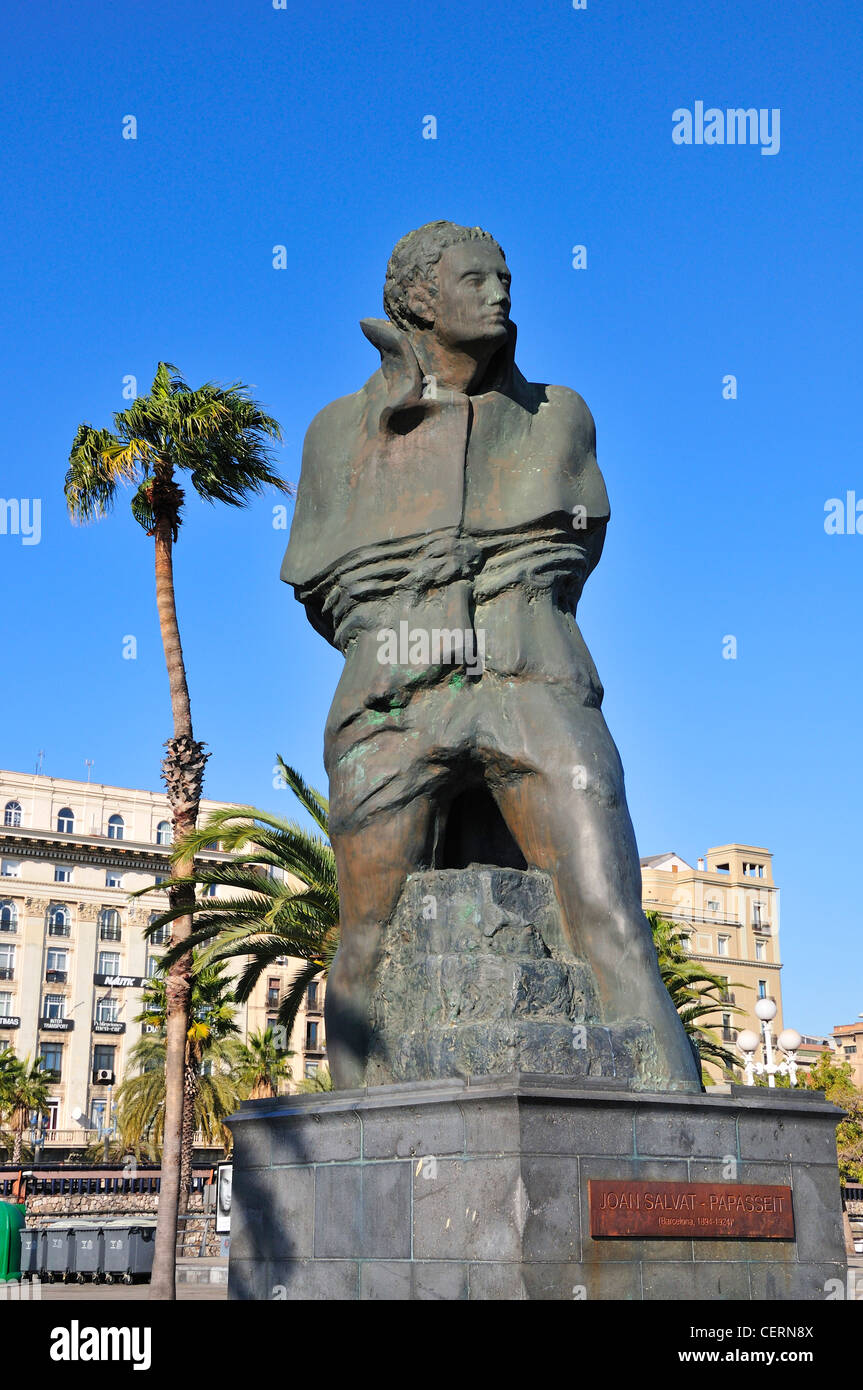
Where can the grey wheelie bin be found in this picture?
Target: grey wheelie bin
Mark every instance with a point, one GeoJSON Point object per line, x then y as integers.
{"type": "Point", "coordinates": [129, 1247]}
{"type": "Point", "coordinates": [88, 1242]}
{"type": "Point", "coordinates": [58, 1257]}
{"type": "Point", "coordinates": [31, 1253]}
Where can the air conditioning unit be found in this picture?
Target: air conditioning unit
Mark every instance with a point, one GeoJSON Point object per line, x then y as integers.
{"type": "Point", "coordinates": [104, 1077]}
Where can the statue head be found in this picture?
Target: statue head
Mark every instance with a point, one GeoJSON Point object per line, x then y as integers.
{"type": "Point", "coordinates": [451, 281]}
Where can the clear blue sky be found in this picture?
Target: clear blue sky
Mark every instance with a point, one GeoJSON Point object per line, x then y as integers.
{"type": "Point", "coordinates": [303, 126]}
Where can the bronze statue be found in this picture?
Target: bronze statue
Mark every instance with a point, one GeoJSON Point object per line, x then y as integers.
{"type": "Point", "coordinates": [448, 515]}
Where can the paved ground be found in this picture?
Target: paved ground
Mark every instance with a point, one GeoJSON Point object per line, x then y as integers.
{"type": "Point", "coordinates": [123, 1293]}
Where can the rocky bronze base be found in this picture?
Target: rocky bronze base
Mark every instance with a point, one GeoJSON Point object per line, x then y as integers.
{"type": "Point", "coordinates": [480, 1190]}
{"type": "Point", "coordinates": [476, 980]}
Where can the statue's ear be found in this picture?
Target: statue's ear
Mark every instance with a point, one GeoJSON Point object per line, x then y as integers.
{"type": "Point", "coordinates": [421, 302]}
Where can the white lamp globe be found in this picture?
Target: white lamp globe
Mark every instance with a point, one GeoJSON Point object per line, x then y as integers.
{"type": "Point", "coordinates": [747, 1041]}
{"type": "Point", "coordinates": [789, 1040]}
{"type": "Point", "coordinates": [765, 1009]}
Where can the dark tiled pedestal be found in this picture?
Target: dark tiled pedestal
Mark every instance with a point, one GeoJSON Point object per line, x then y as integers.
{"type": "Point", "coordinates": [478, 1190]}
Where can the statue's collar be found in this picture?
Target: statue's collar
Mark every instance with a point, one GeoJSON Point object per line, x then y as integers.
{"type": "Point", "coordinates": [406, 388]}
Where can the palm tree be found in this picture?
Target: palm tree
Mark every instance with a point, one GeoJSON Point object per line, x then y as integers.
{"type": "Point", "coordinates": [695, 990]}
{"type": "Point", "coordinates": [218, 436]}
{"type": "Point", "coordinates": [141, 1100]}
{"type": "Point", "coordinates": [209, 1092]}
{"type": "Point", "coordinates": [264, 1066]}
{"type": "Point", "coordinates": [282, 900]}
{"type": "Point", "coordinates": [24, 1088]}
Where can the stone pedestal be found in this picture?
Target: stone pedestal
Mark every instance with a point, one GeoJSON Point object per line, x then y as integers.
{"type": "Point", "coordinates": [476, 979]}
{"type": "Point", "coordinates": [477, 1189]}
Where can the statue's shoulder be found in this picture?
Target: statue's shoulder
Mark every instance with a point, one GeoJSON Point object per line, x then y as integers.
{"type": "Point", "coordinates": [565, 412]}
{"type": "Point", "coordinates": [340, 420]}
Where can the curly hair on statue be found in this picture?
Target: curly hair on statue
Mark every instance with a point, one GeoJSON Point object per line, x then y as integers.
{"type": "Point", "coordinates": [414, 259]}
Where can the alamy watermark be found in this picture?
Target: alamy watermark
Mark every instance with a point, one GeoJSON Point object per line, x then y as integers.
{"type": "Point", "coordinates": [735, 125]}
{"type": "Point", "coordinates": [21, 517]}
{"type": "Point", "coordinates": [435, 646]}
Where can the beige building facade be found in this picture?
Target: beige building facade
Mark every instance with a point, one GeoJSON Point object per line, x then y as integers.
{"type": "Point", "coordinates": [848, 1047]}
{"type": "Point", "coordinates": [727, 907]}
{"type": "Point", "coordinates": [73, 956]}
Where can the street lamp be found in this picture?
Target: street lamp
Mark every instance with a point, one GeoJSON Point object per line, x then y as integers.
{"type": "Point", "coordinates": [789, 1040]}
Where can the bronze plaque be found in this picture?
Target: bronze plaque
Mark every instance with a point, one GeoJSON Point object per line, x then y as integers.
{"type": "Point", "coordinates": [712, 1210]}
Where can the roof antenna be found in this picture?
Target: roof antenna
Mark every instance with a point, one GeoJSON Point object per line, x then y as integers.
{"type": "Point", "coordinates": [40, 758]}
{"type": "Point", "coordinates": [88, 763]}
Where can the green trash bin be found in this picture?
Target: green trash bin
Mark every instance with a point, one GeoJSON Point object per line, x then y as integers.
{"type": "Point", "coordinates": [11, 1224]}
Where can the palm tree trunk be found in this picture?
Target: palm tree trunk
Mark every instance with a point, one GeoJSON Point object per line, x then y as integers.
{"type": "Point", "coordinates": [19, 1139]}
{"type": "Point", "coordinates": [190, 1093]}
{"type": "Point", "coordinates": [183, 773]}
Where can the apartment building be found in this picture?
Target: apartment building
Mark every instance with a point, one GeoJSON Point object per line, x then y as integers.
{"type": "Point", "coordinates": [727, 907]}
{"type": "Point", "coordinates": [848, 1047]}
{"type": "Point", "coordinates": [73, 957]}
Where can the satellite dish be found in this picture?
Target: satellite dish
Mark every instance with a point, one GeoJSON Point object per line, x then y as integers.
{"type": "Point", "coordinates": [77, 1113]}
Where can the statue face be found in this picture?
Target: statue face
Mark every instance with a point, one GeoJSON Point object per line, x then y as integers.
{"type": "Point", "coordinates": [472, 303]}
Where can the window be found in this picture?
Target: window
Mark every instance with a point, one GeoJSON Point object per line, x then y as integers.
{"type": "Point", "coordinates": [8, 917]}
{"type": "Point", "coordinates": [272, 1021]}
{"type": "Point", "coordinates": [759, 950]}
{"type": "Point", "coordinates": [5, 1004]}
{"type": "Point", "coordinates": [109, 924]}
{"type": "Point", "coordinates": [106, 1009]}
{"type": "Point", "coordinates": [162, 935]}
{"type": "Point", "coordinates": [12, 813]}
{"type": "Point", "coordinates": [10, 868]}
{"type": "Point", "coordinates": [762, 989]}
{"type": "Point", "coordinates": [713, 904]}
{"type": "Point", "coordinates": [103, 1058]}
{"type": "Point", "coordinates": [113, 878]}
{"type": "Point", "coordinates": [98, 1115]}
{"type": "Point", "coordinates": [58, 920]}
{"type": "Point", "coordinates": [116, 827]}
{"type": "Point", "coordinates": [722, 945]}
{"type": "Point", "coordinates": [153, 963]}
{"type": "Point", "coordinates": [274, 990]}
{"type": "Point", "coordinates": [51, 1058]}
{"type": "Point", "coordinates": [756, 914]}
{"type": "Point", "coordinates": [160, 878]}
{"type": "Point", "coordinates": [109, 963]}
{"type": "Point", "coordinates": [312, 1037]}
{"type": "Point", "coordinates": [7, 962]}
{"type": "Point", "coordinates": [310, 1070]}
{"type": "Point", "coordinates": [54, 1006]}
{"type": "Point", "coordinates": [211, 890]}
{"type": "Point", "coordinates": [164, 833]}
{"type": "Point", "coordinates": [62, 873]}
{"type": "Point", "coordinates": [312, 995]}
{"type": "Point", "coordinates": [65, 821]}
{"type": "Point", "coordinates": [57, 963]}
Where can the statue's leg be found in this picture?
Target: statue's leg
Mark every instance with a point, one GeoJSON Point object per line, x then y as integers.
{"type": "Point", "coordinates": [381, 821]}
{"type": "Point", "coordinates": [564, 801]}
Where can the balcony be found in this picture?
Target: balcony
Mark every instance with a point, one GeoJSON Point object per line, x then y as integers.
{"type": "Point", "coordinates": [273, 997]}
{"type": "Point", "coordinates": [56, 977]}
{"type": "Point", "coordinates": [729, 1035]}
{"type": "Point", "coordinates": [59, 929]}
{"type": "Point", "coordinates": [10, 927]}
{"type": "Point", "coordinates": [110, 934]}
{"type": "Point", "coordinates": [762, 928]}
{"type": "Point", "coordinates": [7, 972]}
